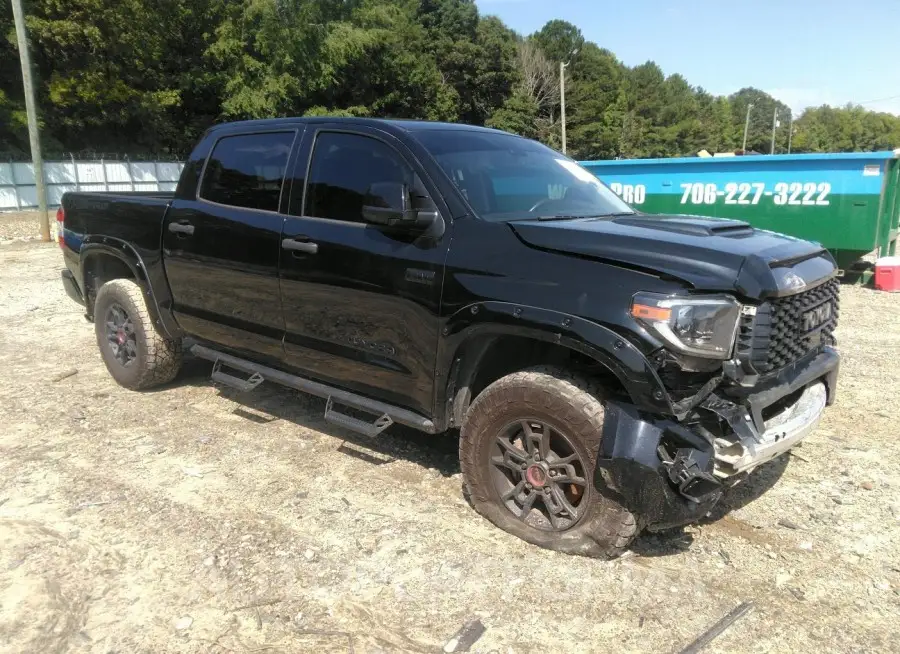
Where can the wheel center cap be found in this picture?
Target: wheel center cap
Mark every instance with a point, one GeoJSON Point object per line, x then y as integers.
{"type": "Point", "coordinates": [120, 336]}
{"type": "Point", "coordinates": [536, 476]}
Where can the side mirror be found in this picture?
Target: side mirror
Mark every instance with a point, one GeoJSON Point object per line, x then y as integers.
{"type": "Point", "coordinates": [390, 204]}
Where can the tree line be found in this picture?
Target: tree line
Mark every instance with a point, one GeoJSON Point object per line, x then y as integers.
{"type": "Point", "coordinates": [147, 77]}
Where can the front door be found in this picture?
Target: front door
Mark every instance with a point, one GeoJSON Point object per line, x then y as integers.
{"type": "Point", "coordinates": [221, 248]}
{"type": "Point", "coordinates": [361, 302]}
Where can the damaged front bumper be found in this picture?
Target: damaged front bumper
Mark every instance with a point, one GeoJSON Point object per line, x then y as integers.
{"type": "Point", "coordinates": [735, 455]}
{"type": "Point", "coordinates": [672, 472]}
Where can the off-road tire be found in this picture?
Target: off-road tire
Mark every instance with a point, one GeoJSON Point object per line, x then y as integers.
{"type": "Point", "coordinates": [158, 358]}
{"type": "Point", "coordinates": [569, 402]}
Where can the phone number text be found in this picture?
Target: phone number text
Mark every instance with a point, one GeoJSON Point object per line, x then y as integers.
{"type": "Point", "coordinates": [739, 193]}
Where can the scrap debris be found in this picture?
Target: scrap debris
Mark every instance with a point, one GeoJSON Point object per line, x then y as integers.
{"type": "Point", "coordinates": [467, 636]}
{"type": "Point", "coordinates": [716, 630]}
{"type": "Point", "coordinates": [65, 374]}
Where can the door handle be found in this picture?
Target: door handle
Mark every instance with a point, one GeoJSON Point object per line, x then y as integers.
{"type": "Point", "coordinates": [300, 244]}
{"type": "Point", "coordinates": [181, 227]}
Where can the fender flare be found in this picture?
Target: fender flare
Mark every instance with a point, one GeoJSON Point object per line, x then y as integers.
{"type": "Point", "coordinates": [96, 246]}
{"type": "Point", "coordinates": [625, 361]}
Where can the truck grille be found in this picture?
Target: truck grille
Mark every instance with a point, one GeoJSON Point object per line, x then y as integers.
{"type": "Point", "coordinates": [785, 329]}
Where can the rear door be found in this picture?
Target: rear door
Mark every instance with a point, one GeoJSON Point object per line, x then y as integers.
{"type": "Point", "coordinates": [361, 303]}
{"type": "Point", "coordinates": [221, 247]}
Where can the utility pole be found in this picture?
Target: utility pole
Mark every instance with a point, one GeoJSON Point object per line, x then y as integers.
{"type": "Point", "coordinates": [34, 135]}
{"type": "Point", "coordinates": [562, 101]}
{"type": "Point", "coordinates": [746, 127]}
{"type": "Point", "coordinates": [774, 126]}
{"type": "Point", "coordinates": [562, 95]}
{"type": "Point", "coordinates": [790, 131]}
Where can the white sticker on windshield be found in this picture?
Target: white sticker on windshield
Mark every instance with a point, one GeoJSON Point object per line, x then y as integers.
{"type": "Point", "coordinates": [577, 170]}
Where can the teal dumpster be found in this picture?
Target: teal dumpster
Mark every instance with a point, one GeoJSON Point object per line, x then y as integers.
{"type": "Point", "coordinates": [848, 202]}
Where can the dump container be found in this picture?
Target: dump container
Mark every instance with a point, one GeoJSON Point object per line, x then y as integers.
{"type": "Point", "coordinates": [848, 202]}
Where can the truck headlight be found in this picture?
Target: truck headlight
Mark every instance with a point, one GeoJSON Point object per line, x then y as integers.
{"type": "Point", "coordinates": [699, 326]}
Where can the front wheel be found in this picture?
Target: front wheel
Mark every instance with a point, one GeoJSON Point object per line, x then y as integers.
{"type": "Point", "coordinates": [528, 451]}
{"type": "Point", "coordinates": [136, 355]}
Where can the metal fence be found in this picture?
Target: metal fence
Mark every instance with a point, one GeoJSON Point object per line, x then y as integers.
{"type": "Point", "coordinates": [19, 193]}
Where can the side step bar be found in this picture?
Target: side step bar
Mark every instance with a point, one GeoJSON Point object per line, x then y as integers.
{"type": "Point", "coordinates": [355, 424]}
{"type": "Point", "coordinates": [333, 395]}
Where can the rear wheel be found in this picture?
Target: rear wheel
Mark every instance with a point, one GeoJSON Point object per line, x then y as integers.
{"type": "Point", "coordinates": [528, 450]}
{"type": "Point", "coordinates": [136, 355]}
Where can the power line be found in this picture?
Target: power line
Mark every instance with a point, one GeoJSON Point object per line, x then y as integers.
{"type": "Point", "coordinates": [892, 97]}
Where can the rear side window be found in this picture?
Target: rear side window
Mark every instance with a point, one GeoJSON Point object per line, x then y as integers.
{"type": "Point", "coordinates": [343, 168]}
{"type": "Point", "coordinates": [247, 170]}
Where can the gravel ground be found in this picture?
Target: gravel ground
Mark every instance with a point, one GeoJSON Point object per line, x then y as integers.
{"type": "Point", "coordinates": [19, 226]}
{"type": "Point", "coordinates": [197, 519]}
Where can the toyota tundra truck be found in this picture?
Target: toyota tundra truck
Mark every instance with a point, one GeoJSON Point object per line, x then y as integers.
{"type": "Point", "coordinates": [606, 371]}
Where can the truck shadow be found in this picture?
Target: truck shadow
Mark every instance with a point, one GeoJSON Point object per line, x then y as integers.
{"type": "Point", "coordinates": [440, 452]}
{"type": "Point", "coordinates": [270, 402]}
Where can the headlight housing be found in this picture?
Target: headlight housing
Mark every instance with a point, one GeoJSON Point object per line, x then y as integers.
{"type": "Point", "coordinates": [699, 326]}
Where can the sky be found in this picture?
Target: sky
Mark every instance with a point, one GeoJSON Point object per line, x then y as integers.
{"type": "Point", "coordinates": [803, 52]}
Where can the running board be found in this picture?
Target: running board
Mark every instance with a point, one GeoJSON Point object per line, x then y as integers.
{"type": "Point", "coordinates": [243, 385]}
{"type": "Point", "coordinates": [355, 424]}
{"type": "Point", "coordinates": [331, 393]}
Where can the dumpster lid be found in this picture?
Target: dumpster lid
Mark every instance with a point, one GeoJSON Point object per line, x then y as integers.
{"type": "Point", "coordinates": [871, 156]}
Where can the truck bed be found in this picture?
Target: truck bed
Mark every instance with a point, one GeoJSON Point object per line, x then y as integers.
{"type": "Point", "coordinates": [134, 217]}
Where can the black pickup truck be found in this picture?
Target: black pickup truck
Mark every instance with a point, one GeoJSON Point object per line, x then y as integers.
{"type": "Point", "coordinates": [608, 371]}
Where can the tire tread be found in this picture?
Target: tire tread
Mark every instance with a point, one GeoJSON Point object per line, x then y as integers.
{"type": "Point", "coordinates": [606, 532]}
{"type": "Point", "coordinates": [163, 356]}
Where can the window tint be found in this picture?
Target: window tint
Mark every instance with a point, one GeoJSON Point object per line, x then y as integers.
{"type": "Point", "coordinates": [248, 170]}
{"type": "Point", "coordinates": [343, 168]}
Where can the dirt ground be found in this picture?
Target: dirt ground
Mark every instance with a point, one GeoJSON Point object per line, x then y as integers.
{"type": "Point", "coordinates": [23, 226]}
{"type": "Point", "coordinates": [197, 519]}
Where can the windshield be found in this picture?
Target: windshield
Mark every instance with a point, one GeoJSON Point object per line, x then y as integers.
{"type": "Point", "coordinates": [505, 177]}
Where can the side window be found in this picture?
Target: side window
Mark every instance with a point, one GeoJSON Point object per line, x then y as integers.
{"type": "Point", "coordinates": [247, 170]}
{"type": "Point", "coordinates": [344, 167]}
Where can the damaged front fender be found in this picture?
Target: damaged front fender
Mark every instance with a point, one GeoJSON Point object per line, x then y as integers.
{"type": "Point", "coordinates": [661, 471]}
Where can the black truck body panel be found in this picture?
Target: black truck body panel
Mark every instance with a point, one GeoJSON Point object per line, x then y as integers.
{"type": "Point", "coordinates": [128, 228]}
{"type": "Point", "coordinates": [405, 318]}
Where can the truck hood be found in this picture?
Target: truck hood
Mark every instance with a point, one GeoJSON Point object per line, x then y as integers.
{"type": "Point", "coordinates": [705, 253]}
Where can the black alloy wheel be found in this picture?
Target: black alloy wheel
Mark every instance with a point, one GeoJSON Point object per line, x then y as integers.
{"type": "Point", "coordinates": [120, 335]}
{"type": "Point", "coordinates": [538, 475]}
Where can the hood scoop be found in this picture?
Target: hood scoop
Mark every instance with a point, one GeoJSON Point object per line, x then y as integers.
{"type": "Point", "coordinates": [689, 226]}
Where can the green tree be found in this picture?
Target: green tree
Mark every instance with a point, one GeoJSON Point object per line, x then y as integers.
{"type": "Point", "coordinates": [138, 78]}
{"type": "Point", "coordinates": [846, 129]}
{"type": "Point", "coordinates": [717, 123]}
{"type": "Point", "coordinates": [519, 115]}
{"type": "Point", "coordinates": [378, 59]}
{"type": "Point", "coordinates": [598, 104]}
{"type": "Point", "coordinates": [111, 72]}
{"type": "Point", "coordinates": [270, 55]}
{"type": "Point", "coordinates": [475, 55]}
{"type": "Point", "coordinates": [13, 128]}
{"type": "Point", "coordinates": [559, 40]}
{"type": "Point", "coordinates": [644, 87]}
{"type": "Point", "coordinates": [496, 72]}
{"type": "Point", "coordinates": [759, 135]}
